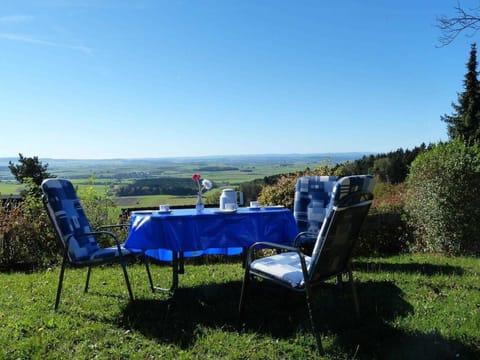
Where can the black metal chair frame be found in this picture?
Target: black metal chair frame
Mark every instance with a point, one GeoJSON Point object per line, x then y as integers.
{"type": "Point", "coordinates": [121, 258]}
{"type": "Point", "coordinates": [357, 201]}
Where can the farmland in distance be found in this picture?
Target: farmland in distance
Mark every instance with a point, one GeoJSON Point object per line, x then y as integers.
{"type": "Point", "coordinates": [112, 174]}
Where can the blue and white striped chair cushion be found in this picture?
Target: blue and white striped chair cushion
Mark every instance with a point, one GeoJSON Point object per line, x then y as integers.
{"type": "Point", "coordinates": [285, 267]}
{"type": "Point", "coordinates": [70, 218]}
{"type": "Point", "coordinates": [312, 197]}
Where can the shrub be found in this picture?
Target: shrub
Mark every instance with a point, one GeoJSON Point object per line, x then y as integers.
{"type": "Point", "coordinates": [27, 240]}
{"type": "Point", "coordinates": [101, 210]}
{"type": "Point", "coordinates": [212, 197]}
{"type": "Point", "coordinates": [99, 206]}
{"type": "Point", "coordinates": [442, 199]}
{"type": "Point", "coordinates": [282, 192]}
{"type": "Point", "coordinates": [251, 190]}
{"type": "Point", "coordinates": [385, 232]}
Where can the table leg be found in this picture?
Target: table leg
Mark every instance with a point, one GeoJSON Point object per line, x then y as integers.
{"type": "Point", "coordinates": [181, 263]}
{"type": "Point", "coordinates": [174, 286]}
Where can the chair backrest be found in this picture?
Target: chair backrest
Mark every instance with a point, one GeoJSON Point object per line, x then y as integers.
{"type": "Point", "coordinates": [312, 197]}
{"type": "Point", "coordinates": [349, 205]}
{"type": "Point", "coordinates": [68, 218]}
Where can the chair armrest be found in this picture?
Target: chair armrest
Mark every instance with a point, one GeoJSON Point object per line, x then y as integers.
{"type": "Point", "coordinates": [270, 245]}
{"type": "Point", "coordinates": [304, 234]}
{"type": "Point", "coordinates": [94, 233]}
{"type": "Point", "coordinates": [112, 226]}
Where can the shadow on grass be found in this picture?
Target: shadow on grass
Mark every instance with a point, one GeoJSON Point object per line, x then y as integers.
{"type": "Point", "coordinates": [277, 312]}
{"type": "Point", "coordinates": [424, 269]}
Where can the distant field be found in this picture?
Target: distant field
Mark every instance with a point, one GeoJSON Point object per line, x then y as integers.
{"type": "Point", "coordinates": [10, 188]}
{"type": "Point", "coordinates": [153, 201]}
{"type": "Point", "coordinates": [223, 171]}
{"type": "Point", "coordinates": [13, 188]}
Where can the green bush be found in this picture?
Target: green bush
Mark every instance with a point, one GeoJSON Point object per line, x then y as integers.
{"type": "Point", "coordinates": [385, 232]}
{"type": "Point", "coordinates": [101, 210]}
{"type": "Point", "coordinates": [282, 193]}
{"type": "Point", "coordinates": [27, 239]}
{"type": "Point", "coordinates": [442, 201]}
{"type": "Point", "coordinates": [99, 206]}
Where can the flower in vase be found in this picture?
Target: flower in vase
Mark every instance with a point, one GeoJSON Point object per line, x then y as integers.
{"type": "Point", "coordinates": [203, 184]}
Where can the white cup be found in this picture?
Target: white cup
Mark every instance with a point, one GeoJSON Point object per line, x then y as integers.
{"type": "Point", "coordinates": [254, 204]}
{"type": "Point", "coordinates": [230, 206]}
{"type": "Point", "coordinates": [164, 207]}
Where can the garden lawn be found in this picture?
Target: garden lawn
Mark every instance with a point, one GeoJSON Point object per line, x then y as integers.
{"type": "Point", "coordinates": [412, 307]}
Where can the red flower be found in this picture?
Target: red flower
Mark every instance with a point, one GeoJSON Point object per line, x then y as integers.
{"type": "Point", "coordinates": [196, 177]}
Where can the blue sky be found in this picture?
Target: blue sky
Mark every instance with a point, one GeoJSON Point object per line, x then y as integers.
{"type": "Point", "coordinates": [152, 78]}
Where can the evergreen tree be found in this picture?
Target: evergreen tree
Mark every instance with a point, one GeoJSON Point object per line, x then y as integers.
{"type": "Point", "coordinates": [464, 123]}
{"type": "Point", "coordinates": [29, 167]}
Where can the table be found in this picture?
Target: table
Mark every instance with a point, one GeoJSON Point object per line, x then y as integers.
{"type": "Point", "coordinates": [208, 232]}
{"type": "Point", "coordinates": [186, 232]}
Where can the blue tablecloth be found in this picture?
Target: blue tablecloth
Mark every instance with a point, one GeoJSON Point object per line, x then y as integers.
{"type": "Point", "coordinates": [208, 232]}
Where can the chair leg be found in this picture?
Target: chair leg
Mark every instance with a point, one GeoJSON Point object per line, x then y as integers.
{"type": "Point", "coordinates": [354, 293]}
{"type": "Point", "coordinates": [308, 297]}
{"type": "Point", "coordinates": [124, 268]}
{"type": "Point", "coordinates": [60, 282]}
{"type": "Point", "coordinates": [339, 281]}
{"type": "Point", "coordinates": [87, 282]}
{"type": "Point", "coordinates": [147, 267]}
{"type": "Point", "coordinates": [243, 295]}
{"type": "Point", "coordinates": [177, 268]}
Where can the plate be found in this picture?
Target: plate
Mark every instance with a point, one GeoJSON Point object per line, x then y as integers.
{"type": "Point", "coordinates": [225, 211]}
{"type": "Point", "coordinates": [255, 207]}
{"type": "Point", "coordinates": [272, 207]}
{"type": "Point", "coordinates": [142, 212]}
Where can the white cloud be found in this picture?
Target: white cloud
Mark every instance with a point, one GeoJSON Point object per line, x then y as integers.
{"type": "Point", "coordinates": [15, 19]}
{"type": "Point", "coordinates": [33, 40]}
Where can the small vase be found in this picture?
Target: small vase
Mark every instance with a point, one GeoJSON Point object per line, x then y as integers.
{"type": "Point", "coordinates": [199, 206]}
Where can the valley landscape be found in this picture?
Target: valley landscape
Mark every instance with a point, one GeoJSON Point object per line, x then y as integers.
{"type": "Point", "coordinates": [117, 174]}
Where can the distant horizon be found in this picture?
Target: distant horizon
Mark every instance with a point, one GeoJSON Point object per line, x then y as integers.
{"type": "Point", "coordinates": [200, 156]}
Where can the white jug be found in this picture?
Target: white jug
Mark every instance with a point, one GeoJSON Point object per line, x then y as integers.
{"type": "Point", "coordinates": [229, 196]}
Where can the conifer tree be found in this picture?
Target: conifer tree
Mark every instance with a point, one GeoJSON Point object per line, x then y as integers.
{"type": "Point", "coordinates": [464, 123]}
{"type": "Point", "coordinates": [29, 167]}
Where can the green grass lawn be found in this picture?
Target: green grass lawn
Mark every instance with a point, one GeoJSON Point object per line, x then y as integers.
{"type": "Point", "coordinates": [412, 307]}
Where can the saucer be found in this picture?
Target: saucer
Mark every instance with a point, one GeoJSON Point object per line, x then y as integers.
{"type": "Point", "coordinates": [225, 211]}
{"type": "Point", "coordinates": [273, 207]}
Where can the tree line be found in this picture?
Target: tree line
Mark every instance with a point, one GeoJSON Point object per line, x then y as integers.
{"type": "Point", "coordinates": [155, 186]}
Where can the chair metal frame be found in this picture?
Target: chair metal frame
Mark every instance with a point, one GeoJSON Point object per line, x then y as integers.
{"type": "Point", "coordinates": [355, 205]}
{"type": "Point", "coordinates": [67, 259]}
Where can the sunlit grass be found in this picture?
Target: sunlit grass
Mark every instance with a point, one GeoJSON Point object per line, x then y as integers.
{"type": "Point", "coordinates": [412, 307]}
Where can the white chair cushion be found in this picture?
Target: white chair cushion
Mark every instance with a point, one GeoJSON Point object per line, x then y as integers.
{"type": "Point", "coordinates": [284, 267]}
